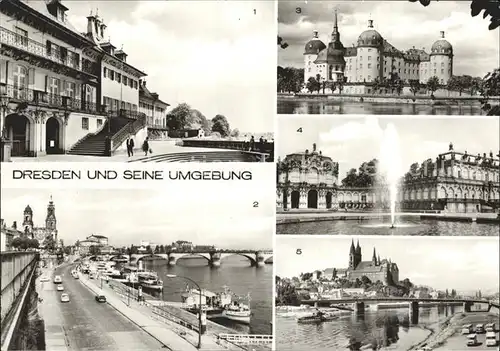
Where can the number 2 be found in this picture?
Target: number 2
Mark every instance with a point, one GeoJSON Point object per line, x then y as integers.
{"type": "Point", "coordinates": [255, 204]}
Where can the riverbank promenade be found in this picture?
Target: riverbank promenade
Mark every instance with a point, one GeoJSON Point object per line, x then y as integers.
{"type": "Point", "coordinates": [172, 335]}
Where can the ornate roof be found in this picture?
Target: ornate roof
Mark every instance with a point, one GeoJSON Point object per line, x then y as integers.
{"type": "Point", "coordinates": [370, 37]}
{"type": "Point", "coordinates": [314, 46]}
{"type": "Point", "coordinates": [442, 46]}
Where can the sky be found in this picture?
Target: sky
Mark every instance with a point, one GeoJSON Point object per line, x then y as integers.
{"type": "Point", "coordinates": [475, 47]}
{"type": "Point", "coordinates": [465, 264]}
{"type": "Point", "coordinates": [217, 56]}
{"type": "Point", "coordinates": [226, 220]}
{"type": "Point", "coordinates": [354, 140]}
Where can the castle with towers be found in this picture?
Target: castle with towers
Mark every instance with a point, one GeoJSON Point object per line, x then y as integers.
{"type": "Point", "coordinates": [376, 269]}
{"type": "Point", "coordinates": [41, 233]}
{"type": "Point", "coordinates": [374, 58]}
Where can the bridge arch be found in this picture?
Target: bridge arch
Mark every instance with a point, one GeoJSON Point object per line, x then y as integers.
{"type": "Point", "coordinates": [160, 256]}
{"type": "Point", "coordinates": [249, 256]}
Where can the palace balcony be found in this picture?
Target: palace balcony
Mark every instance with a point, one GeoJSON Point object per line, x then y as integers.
{"type": "Point", "coordinates": [126, 114]}
{"type": "Point", "coordinates": [43, 99]}
{"type": "Point", "coordinates": [157, 126]}
{"type": "Point", "coordinates": [23, 48]}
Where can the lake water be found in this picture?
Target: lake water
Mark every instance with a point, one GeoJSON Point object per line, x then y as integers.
{"type": "Point", "coordinates": [236, 273]}
{"type": "Point", "coordinates": [389, 329]}
{"type": "Point", "coordinates": [289, 106]}
{"type": "Point", "coordinates": [405, 225]}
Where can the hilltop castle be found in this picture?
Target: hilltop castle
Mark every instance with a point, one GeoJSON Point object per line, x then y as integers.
{"type": "Point", "coordinates": [373, 57]}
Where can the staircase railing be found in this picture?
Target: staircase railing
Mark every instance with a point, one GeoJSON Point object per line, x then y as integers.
{"type": "Point", "coordinates": [131, 128]}
{"type": "Point", "coordinates": [88, 135]}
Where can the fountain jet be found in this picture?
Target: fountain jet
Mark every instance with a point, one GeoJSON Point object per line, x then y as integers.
{"type": "Point", "coordinates": [391, 165]}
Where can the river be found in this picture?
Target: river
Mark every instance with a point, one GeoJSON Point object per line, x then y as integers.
{"type": "Point", "coordinates": [236, 273]}
{"type": "Point", "coordinates": [408, 225]}
{"type": "Point", "coordinates": [316, 107]}
{"type": "Point", "coordinates": [388, 329]}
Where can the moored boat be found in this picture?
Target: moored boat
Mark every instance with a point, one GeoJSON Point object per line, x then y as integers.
{"type": "Point", "coordinates": [316, 318]}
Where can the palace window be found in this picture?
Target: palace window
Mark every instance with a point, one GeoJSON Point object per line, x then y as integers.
{"type": "Point", "coordinates": [442, 71]}
{"type": "Point", "coordinates": [118, 77]}
{"type": "Point", "coordinates": [369, 58]}
{"type": "Point", "coordinates": [442, 64]}
{"type": "Point", "coordinates": [70, 89]}
{"type": "Point", "coordinates": [435, 64]}
{"type": "Point", "coordinates": [369, 65]}
{"type": "Point", "coordinates": [85, 123]}
{"type": "Point", "coordinates": [369, 78]}
{"type": "Point", "coordinates": [54, 84]}
{"type": "Point", "coordinates": [21, 36]}
{"type": "Point", "coordinates": [125, 80]}
{"type": "Point", "coordinates": [435, 71]}
{"type": "Point", "coordinates": [105, 70]}
{"type": "Point", "coordinates": [360, 65]}
{"type": "Point", "coordinates": [112, 74]}
{"type": "Point", "coordinates": [99, 122]}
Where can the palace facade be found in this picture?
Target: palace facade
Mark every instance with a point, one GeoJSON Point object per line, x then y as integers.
{"type": "Point", "coordinates": [63, 87]}
{"type": "Point", "coordinates": [455, 182]}
{"type": "Point", "coordinates": [372, 58]}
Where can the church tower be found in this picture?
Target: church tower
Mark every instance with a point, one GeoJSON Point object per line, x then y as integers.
{"type": "Point", "coordinates": [50, 221]}
{"type": "Point", "coordinates": [374, 258]}
{"type": "Point", "coordinates": [28, 220]}
{"type": "Point", "coordinates": [358, 254]}
{"type": "Point", "coordinates": [352, 256]}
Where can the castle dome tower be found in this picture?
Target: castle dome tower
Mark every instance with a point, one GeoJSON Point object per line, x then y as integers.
{"type": "Point", "coordinates": [369, 54]}
{"type": "Point", "coordinates": [311, 51]}
{"type": "Point", "coordinates": [441, 59]}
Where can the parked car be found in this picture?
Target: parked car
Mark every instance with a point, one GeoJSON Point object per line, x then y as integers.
{"type": "Point", "coordinates": [100, 298]}
{"type": "Point", "coordinates": [490, 327]}
{"type": "Point", "coordinates": [471, 340]}
{"type": "Point", "coordinates": [60, 288]}
{"type": "Point", "coordinates": [467, 329]}
{"type": "Point", "coordinates": [480, 329]}
{"type": "Point", "coordinates": [64, 297]}
{"type": "Point", "coordinates": [491, 339]}
{"type": "Point", "coordinates": [57, 279]}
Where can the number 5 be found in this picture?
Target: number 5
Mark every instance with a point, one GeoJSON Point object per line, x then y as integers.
{"type": "Point", "coordinates": [299, 252]}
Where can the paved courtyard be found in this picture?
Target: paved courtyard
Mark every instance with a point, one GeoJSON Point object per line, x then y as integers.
{"type": "Point", "coordinates": [158, 148]}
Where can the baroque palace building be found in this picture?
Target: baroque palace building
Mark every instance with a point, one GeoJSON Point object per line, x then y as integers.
{"type": "Point", "coordinates": [455, 182]}
{"type": "Point", "coordinates": [374, 58]}
{"type": "Point", "coordinates": [67, 91]}
{"type": "Point", "coordinates": [309, 180]}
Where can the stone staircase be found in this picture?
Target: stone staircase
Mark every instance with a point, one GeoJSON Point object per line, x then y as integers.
{"type": "Point", "coordinates": [206, 156]}
{"type": "Point", "coordinates": [95, 144]}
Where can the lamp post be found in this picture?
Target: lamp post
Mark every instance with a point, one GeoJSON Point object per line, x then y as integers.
{"type": "Point", "coordinates": [199, 306]}
{"type": "Point", "coordinates": [4, 102]}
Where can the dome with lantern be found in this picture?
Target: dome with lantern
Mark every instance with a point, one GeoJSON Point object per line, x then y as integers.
{"type": "Point", "coordinates": [370, 37]}
{"type": "Point", "coordinates": [314, 46]}
{"type": "Point", "coordinates": [442, 46]}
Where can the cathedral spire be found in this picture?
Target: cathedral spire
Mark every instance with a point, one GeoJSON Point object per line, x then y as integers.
{"type": "Point", "coordinates": [374, 258]}
{"type": "Point", "coordinates": [352, 247]}
{"type": "Point", "coordinates": [335, 33]}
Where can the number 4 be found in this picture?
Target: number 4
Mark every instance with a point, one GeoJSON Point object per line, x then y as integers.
{"type": "Point", "coordinates": [299, 130]}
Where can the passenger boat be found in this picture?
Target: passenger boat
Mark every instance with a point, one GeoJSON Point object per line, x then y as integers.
{"type": "Point", "coordinates": [238, 311]}
{"type": "Point", "coordinates": [150, 280]}
{"type": "Point", "coordinates": [316, 318]}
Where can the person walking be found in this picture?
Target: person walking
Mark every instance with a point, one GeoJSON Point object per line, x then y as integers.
{"type": "Point", "coordinates": [131, 145]}
{"type": "Point", "coordinates": [145, 146]}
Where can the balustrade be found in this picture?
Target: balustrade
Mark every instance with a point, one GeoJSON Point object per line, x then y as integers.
{"type": "Point", "coordinates": [41, 98]}
{"type": "Point", "coordinates": [63, 57]}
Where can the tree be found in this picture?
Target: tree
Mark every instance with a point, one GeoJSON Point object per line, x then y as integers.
{"type": "Point", "coordinates": [220, 125]}
{"type": "Point", "coordinates": [415, 86]}
{"type": "Point", "coordinates": [94, 250]}
{"type": "Point", "coordinates": [149, 250]}
{"type": "Point", "coordinates": [460, 83]}
{"type": "Point", "coordinates": [290, 79]}
{"type": "Point", "coordinates": [433, 84]}
{"type": "Point", "coordinates": [490, 86]}
{"type": "Point", "coordinates": [306, 276]}
{"type": "Point", "coordinates": [235, 133]}
{"type": "Point", "coordinates": [49, 243]}
{"type": "Point", "coordinates": [312, 84]}
{"type": "Point", "coordinates": [179, 117]}
{"type": "Point", "coordinates": [198, 120]}
{"type": "Point", "coordinates": [490, 8]}
{"type": "Point", "coordinates": [67, 250]}
{"type": "Point", "coordinates": [281, 43]}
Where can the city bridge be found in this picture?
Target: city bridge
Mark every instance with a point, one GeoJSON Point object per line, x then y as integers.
{"type": "Point", "coordinates": [413, 303]}
{"type": "Point", "coordinates": [256, 258]}
{"type": "Point", "coordinates": [19, 315]}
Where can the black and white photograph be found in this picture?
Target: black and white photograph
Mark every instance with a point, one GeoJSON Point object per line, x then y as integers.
{"type": "Point", "coordinates": [373, 293]}
{"type": "Point", "coordinates": [388, 176]}
{"type": "Point", "coordinates": [423, 57]}
{"type": "Point", "coordinates": [131, 269]}
{"type": "Point", "coordinates": [137, 81]}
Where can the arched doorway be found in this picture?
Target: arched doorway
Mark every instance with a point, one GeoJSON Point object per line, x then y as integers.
{"type": "Point", "coordinates": [52, 130]}
{"type": "Point", "coordinates": [295, 199]}
{"type": "Point", "coordinates": [329, 200]}
{"type": "Point", "coordinates": [18, 131]}
{"type": "Point", "coordinates": [312, 199]}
